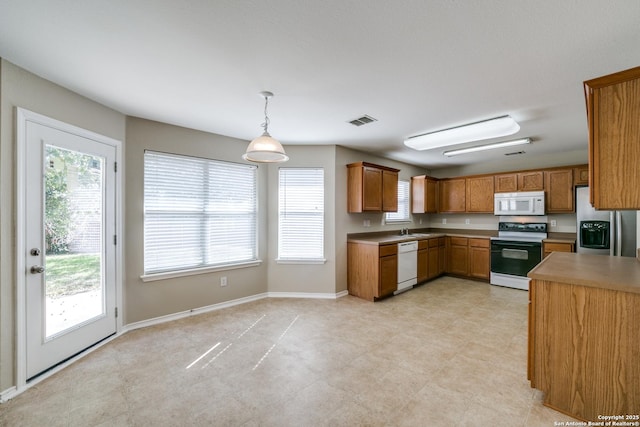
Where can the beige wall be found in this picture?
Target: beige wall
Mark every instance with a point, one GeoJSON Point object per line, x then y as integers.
{"type": "Point", "coordinates": [20, 88]}
{"type": "Point", "coordinates": [304, 278]}
{"type": "Point", "coordinates": [147, 300]}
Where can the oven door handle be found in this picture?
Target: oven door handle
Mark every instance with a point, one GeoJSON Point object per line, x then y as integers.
{"type": "Point", "coordinates": [517, 244]}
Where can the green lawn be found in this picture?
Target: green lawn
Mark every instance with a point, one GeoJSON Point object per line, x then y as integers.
{"type": "Point", "coordinates": [72, 274]}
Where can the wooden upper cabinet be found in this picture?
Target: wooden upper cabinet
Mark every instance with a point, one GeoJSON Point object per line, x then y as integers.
{"type": "Point", "coordinates": [452, 195]}
{"type": "Point", "coordinates": [479, 198]}
{"type": "Point", "coordinates": [613, 112]}
{"type": "Point", "coordinates": [424, 194]}
{"type": "Point", "coordinates": [519, 181]}
{"type": "Point", "coordinates": [506, 183]}
{"type": "Point", "coordinates": [559, 190]}
{"type": "Point", "coordinates": [389, 191]}
{"type": "Point", "coordinates": [371, 188]}
{"type": "Point", "coordinates": [581, 175]}
{"type": "Point", "coordinates": [531, 181]}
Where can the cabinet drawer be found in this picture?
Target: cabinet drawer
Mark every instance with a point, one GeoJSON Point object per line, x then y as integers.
{"type": "Point", "coordinates": [433, 242]}
{"type": "Point", "coordinates": [480, 243]}
{"type": "Point", "coordinates": [423, 244]}
{"type": "Point", "coordinates": [558, 247]}
{"type": "Point", "coordinates": [386, 250]}
{"type": "Point", "coordinates": [459, 241]}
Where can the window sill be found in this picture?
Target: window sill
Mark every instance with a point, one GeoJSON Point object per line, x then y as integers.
{"type": "Point", "coordinates": [194, 271]}
{"type": "Point", "coordinates": [301, 261]}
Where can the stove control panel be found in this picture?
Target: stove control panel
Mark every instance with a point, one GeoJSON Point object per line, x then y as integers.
{"type": "Point", "coordinates": [523, 227]}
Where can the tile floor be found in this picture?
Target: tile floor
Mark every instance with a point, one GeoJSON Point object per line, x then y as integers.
{"type": "Point", "coordinates": [451, 352]}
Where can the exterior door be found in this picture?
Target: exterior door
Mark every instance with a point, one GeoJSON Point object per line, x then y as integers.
{"type": "Point", "coordinates": [70, 284]}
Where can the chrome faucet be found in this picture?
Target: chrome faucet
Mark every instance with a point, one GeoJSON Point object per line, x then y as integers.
{"type": "Point", "coordinates": [404, 231]}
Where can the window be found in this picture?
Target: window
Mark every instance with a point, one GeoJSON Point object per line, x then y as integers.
{"type": "Point", "coordinates": [403, 204]}
{"type": "Point", "coordinates": [301, 215]}
{"type": "Point", "coordinates": [197, 213]}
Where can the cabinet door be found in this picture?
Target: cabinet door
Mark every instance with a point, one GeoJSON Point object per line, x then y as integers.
{"type": "Point", "coordinates": [613, 108]}
{"type": "Point", "coordinates": [479, 254]}
{"type": "Point", "coordinates": [389, 191]}
{"type": "Point", "coordinates": [581, 175]}
{"type": "Point", "coordinates": [371, 189]}
{"type": "Point", "coordinates": [453, 195]}
{"type": "Point", "coordinates": [388, 275]}
{"type": "Point", "coordinates": [559, 187]}
{"type": "Point", "coordinates": [423, 265]}
{"type": "Point", "coordinates": [458, 262]}
{"type": "Point", "coordinates": [531, 181]}
{"type": "Point", "coordinates": [479, 198]}
{"type": "Point", "coordinates": [434, 262]}
{"type": "Point", "coordinates": [424, 194]}
{"type": "Point", "coordinates": [442, 255]}
{"type": "Point", "coordinates": [506, 183]}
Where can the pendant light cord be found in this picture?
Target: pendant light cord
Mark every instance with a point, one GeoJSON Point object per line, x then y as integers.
{"type": "Point", "coordinates": [265, 125]}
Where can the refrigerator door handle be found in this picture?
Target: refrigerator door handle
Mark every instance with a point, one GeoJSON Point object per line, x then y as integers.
{"type": "Point", "coordinates": [612, 234]}
{"type": "Point", "coordinates": [618, 233]}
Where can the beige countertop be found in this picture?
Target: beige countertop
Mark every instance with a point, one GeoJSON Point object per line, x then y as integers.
{"type": "Point", "coordinates": [598, 271]}
{"type": "Point", "coordinates": [384, 238]}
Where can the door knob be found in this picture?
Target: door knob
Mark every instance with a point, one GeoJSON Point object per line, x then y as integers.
{"type": "Point", "coordinates": [37, 269]}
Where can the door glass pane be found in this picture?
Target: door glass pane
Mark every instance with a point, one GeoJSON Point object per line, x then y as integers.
{"type": "Point", "coordinates": [73, 223]}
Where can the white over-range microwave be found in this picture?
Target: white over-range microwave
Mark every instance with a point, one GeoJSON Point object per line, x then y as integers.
{"type": "Point", "coordinates": [522, 203]}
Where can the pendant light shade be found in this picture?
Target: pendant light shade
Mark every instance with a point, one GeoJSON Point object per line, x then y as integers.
{"type": "Point", "coordinates": [265, 148]}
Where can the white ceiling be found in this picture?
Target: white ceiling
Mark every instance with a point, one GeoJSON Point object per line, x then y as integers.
{"type": "Point", "coordinates": [415, 65]}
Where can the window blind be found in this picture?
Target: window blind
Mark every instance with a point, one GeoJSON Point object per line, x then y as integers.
{"type": "Point", "coordinates": [301, 214]}
{"type": "Point", "coordinates": [197, 213]}
{"type": "Point", "coordinates": [402, 215]}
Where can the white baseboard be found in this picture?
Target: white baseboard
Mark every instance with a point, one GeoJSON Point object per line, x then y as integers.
{"type": "Point", "coordinates": [192, 312]}
{"type": "Point", "coordinates": [7, 394]}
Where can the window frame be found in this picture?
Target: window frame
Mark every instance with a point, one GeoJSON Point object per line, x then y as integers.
{"type": "Point", "coordinates": [389, 216]}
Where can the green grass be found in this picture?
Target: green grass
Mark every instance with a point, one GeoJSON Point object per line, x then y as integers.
{"type": "Point", "coordinates": [72, 274]}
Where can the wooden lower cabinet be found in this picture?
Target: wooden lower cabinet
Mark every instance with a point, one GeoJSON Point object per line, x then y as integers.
{"type": "Point", "coordinates": [548, 247]}
{"type": "Point", "coordinates": [458, 256]}
{"type": "Point", "coordinates": [469, 257]}
{"type": "Point", "coordinates": [442, 255]}
{"type": "Point", "coordinates": [479, 258]}
{"type": "Point", "coordinates": [584, 349]}
{"type": "Point", "coordinates": [372, 270]}
{"type": "Point", "coordinates": [430, 258]}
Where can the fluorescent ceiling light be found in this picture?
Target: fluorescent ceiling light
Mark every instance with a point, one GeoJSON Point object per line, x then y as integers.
{"type": "Point", "coordinates": [486, 129]}
{"type": "Point", "coordinates": [488, 146]}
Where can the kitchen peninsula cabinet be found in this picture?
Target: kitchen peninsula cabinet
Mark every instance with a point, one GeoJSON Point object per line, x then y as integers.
{"type": "Point", "coordinates": [584, 340]}
{"type": "Point", "coordinates": [479, 197]}
{"type": "Point", "coordinates": [424, 194]}
{"type": "Point", "coordinates": [372, 270]}
{"type": "Point", "coordinates": [613, 113]}
{"type": "Point", "coordinates": [371, 188]}
{"type": "Point", "coordinates": [558, 184]}
{"type": "Point", "coordinates": [453, 195]}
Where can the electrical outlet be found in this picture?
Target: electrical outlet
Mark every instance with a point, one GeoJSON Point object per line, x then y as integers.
{"type": "Point", "coordinates": [467, 221]}
{"type": "Point", "coordinates": [366, 223]}
{"type": "Point", "coordinates": [420, 220]}
{"type": "Point", "coordinates": [553, 223]}
{"type": "Point", "coordinates": [223, 281]}
{"type": "Point", "coordinates": [444, 220]}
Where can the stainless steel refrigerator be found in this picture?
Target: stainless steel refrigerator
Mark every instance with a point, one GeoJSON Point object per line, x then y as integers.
{"type": "Point", "coordinates": [604, 232]}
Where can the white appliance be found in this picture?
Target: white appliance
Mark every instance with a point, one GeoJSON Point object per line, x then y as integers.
{"type": "Point", "coordinates": [604, 232]}
{"type": "Point", "coordinates": [521, 203]}
{"type": "Point", "coordinates": [407, 265]}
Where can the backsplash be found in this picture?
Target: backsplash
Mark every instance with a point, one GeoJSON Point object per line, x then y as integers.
{"type": "Point", "coordinates": [558, 223]}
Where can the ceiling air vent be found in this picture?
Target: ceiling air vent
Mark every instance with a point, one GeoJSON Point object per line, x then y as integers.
{"type": "Point", "coordinates": [515, 153]}
{"type": "Point", "coordinates": [362, 120]}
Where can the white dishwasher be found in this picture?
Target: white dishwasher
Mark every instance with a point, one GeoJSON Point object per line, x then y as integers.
{"type": "Point", "coordinates": [407, 265]}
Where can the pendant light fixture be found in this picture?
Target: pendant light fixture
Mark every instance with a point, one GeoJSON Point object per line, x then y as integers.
{"type": "Point", "coordinates": [265, 149]}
